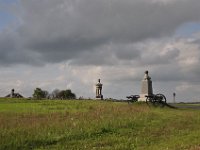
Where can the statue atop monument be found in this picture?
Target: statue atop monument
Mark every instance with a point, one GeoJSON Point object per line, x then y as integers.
{"type": "Point", "coordinates": [99, 90]}
{"type": "Point", "coordinates": [146, 88]}
{"type": "Point", "coordinates": [146, 75]}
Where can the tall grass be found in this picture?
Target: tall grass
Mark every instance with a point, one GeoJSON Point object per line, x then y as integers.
{"type": "Point", "coordinates": [27, 124]}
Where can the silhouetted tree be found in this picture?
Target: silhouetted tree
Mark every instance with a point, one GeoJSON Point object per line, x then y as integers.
{"type": "Point", "coordinates": [55, 93]}
{"type": "Point", "coordinates": [39, 93]}
{"type": "Point", "coordinates": [66, 94]}
{"type": "Point", "coordinates": [46, 94]}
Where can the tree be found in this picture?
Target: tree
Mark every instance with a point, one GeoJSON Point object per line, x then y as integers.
{"type": "Point", "coordinates": [46, 94]}
{"type": "Point", "coordinates": [39, 93]}
{"type": "Point", "coordinates": [66, 94]}
{"type": "Point", "coordinates": [55, 93]}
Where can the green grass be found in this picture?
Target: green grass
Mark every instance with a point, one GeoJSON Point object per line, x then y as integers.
{"type": "Point", "coordinates": [188, 104]}
{"type": "Point", "coordinates": [34, 124]}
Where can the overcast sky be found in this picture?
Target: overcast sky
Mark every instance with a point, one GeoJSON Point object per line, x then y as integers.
{"type": "Point", "coordinates": [61, 44]}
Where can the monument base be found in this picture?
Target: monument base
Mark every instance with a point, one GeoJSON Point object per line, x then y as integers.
{"type": "Point", "coordinates": [142, 98]}
{"type": "Point", "coordinates": [99, 97]}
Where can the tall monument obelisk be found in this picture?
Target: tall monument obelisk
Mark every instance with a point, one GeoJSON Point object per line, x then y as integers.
{"type": "Point", "coordinates": [146, 88]}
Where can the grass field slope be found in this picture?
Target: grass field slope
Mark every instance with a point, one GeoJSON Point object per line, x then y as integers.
{"type": "Point", "coordinates": [90, 124]}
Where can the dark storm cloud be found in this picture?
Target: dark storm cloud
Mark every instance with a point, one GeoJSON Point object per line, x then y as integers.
{"type": "Point", "coordinates": [11, 51]}
{"type": "Point", "coordinates": [54, 31]}
{"type": "Point", "coordinates": [109, 54]}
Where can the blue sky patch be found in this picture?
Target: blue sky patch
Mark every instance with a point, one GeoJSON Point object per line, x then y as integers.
{"type": "Point", "coordinates": [188, 29]}
{"type": "Point", "coordinates": [8, 1]}
{"type": "Point", "coordinates": [5, 19]}
{"type": "Point", "coordinates": [5, 16]}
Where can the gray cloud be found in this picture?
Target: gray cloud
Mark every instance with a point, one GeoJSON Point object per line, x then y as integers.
{"type": "Point", "coordinates": [54, 31]}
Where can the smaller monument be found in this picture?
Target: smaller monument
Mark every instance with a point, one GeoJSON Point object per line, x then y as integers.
{"type": "Point", "coordinates": [174, 97]}
{"type": "Point", "coordinates": [146, 89]}
{"type": "Point", "coordinates": [12, 93]}
{"type": "Point", "coordinates": [99, 90]}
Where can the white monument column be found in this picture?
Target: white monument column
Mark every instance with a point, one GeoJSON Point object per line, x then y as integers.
{"type": "Point", "coordinates": [146, 88]}
{"type": "Point", "coordinates": [99, 90]}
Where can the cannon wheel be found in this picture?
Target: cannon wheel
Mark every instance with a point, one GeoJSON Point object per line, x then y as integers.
{"type": "Point", "coordinates": [150, 101]}
{"type": "Point", "coordinates": [159, 100]}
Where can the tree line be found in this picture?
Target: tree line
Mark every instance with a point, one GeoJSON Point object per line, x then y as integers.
{"type": "Point", "coordinates": [55, 94]}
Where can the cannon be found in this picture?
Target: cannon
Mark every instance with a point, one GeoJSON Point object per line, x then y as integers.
{"type": "Point", "coordinates": [132, 98]}
{"type": "Point", "coordinates": [156, 100]}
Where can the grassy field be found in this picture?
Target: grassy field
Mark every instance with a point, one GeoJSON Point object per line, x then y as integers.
{"type": "Point", "coordinates": [34, 124]}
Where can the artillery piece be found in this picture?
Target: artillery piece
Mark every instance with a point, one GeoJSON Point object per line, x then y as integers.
{"type": "Point", "coordinates": [155, 99]}
{"type": "Point", "coordinates": [132, 98]}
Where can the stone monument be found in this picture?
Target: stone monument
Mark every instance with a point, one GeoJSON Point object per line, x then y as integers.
{"type": "Point", "coordinates": [146, 88]}
{"type": "Point", "coordinates": [174, 96]}
{"type": "Point", "coordinates": [12, 93]}
{"type": "Point", "coordinates": [99, 90]}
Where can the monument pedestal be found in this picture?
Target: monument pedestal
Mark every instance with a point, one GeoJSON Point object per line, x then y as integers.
{"type": "Point", "coordinates": [99, 98]}
{"type": "Point", "coordinates": [142, 98]}
{"type": "Point", "coordinates": [99, 95]}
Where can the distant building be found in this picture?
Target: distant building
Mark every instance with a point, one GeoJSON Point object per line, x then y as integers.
{"type": "Point", "coordinates": [14, 95]}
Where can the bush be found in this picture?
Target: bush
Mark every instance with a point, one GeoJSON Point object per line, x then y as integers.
{"type": "Point", "coordinates": [39, 93]}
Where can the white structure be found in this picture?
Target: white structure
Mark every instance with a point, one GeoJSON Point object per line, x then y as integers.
{"type": "Point", "coordinates": [146, 88]}
{"type": "Point", "coordinates": [99, 90]}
